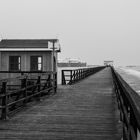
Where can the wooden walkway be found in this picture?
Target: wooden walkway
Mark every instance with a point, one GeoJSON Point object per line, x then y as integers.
{"type": "Point", "coordinates": [84, 111]}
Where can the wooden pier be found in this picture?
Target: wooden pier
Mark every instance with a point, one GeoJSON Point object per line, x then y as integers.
{"type": "Point", "coordinates": [84, 111]}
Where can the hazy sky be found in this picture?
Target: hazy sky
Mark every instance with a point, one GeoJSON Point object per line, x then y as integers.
{"type": "Point", "coordinates": [91, 30]}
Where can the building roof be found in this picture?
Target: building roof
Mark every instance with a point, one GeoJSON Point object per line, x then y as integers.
{"type": "Point", "coordinates": [26, 44]}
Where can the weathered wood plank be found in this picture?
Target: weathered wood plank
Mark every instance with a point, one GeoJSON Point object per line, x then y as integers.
{"type": "Point", "coordinates": [85, 111]}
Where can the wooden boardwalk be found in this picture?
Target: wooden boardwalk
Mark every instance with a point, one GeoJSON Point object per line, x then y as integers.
{"type": "Point", "coordinates": [84, 111]}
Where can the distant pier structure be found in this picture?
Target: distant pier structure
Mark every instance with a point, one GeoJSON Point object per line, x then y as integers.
{"type": "Point", "coordinates": [108, 63]}
{"type": "Point", "coordinates": [71, 63]}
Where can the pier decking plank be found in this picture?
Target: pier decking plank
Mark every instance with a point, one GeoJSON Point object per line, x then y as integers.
{"type": "Point", "coordinates": [84, 111]}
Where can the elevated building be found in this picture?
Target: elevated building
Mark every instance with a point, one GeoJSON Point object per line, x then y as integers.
{"type": "Point", "coordinates": [17, 55]}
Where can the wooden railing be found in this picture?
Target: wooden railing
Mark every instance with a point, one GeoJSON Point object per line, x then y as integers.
{"type": "Point", "coordinates": [72, 76]}
{"type": "Point", "coordinates": [15, 93]}
{"type": "Point", "coordinates": [129, 106]}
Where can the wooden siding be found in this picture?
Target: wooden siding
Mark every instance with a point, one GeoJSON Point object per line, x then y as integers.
{"type": "Point", "coordinates": [25, 60]}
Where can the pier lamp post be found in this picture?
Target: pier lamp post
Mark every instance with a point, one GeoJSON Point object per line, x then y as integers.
{"type": "Point", "coordinates": [53, 64]}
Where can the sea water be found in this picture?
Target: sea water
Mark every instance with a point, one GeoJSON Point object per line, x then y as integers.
{"type": "Point", "coordinates": [131, 75]}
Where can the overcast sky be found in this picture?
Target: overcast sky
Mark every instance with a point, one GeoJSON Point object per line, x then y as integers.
{"type": "Point", "coordinates": [91, 30]}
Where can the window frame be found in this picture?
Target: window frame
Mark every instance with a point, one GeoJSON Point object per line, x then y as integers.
{"type": "Point", "coordinates": [19, 63]}
{"type": "Point", "coordinates": [37, 56]}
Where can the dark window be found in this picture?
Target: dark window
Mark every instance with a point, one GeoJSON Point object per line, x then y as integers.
{"type": "Point", "coordinates": [14, 63]}
{"type": "Point", "coordinates": [36, 63]}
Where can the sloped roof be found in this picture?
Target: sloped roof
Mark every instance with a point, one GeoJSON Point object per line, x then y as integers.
{"type": "Point", "coordinates": [25, 43]}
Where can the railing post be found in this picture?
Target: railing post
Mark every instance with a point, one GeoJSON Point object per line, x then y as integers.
{"type": "Point", "coordinates": [70, 77]}
{"type": "Point", "coordinates": [86, 72]}
{"type": "Point", "coordinates": [24, 85]}
{"type": "Point", "coordinates": [4, 101]}
{"type": "Point", "coordinates": [38, 87]}
{"type": "Point", "coordinates": [39, 82]}
{"type": "Point", "coordinates": [55, 78]}
{"type": "Point", "coordinates": [78, 74]}
{"type": "Point", "coordinates": [74, 76]}
{"type": "Point", "coordinates": [54, 83]}
{"type": "Point", "coordinates": [48, 83]}
{"type": "Point", "coordinates": [63, 78]}
{"type": "Point", "coordinates": [82, 73]}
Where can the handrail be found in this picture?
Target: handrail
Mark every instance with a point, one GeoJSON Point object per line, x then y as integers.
{"type": "Point", "coordinates": [72, 76]}
{"type": "Point", "coordinates": [24, 74]}
{"type": "Point", "coordinates": [29, 89]}
{"type": "Point", "coordinates": [27, 72]}
{"type": "Point", "coordinates": [129, 105]}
